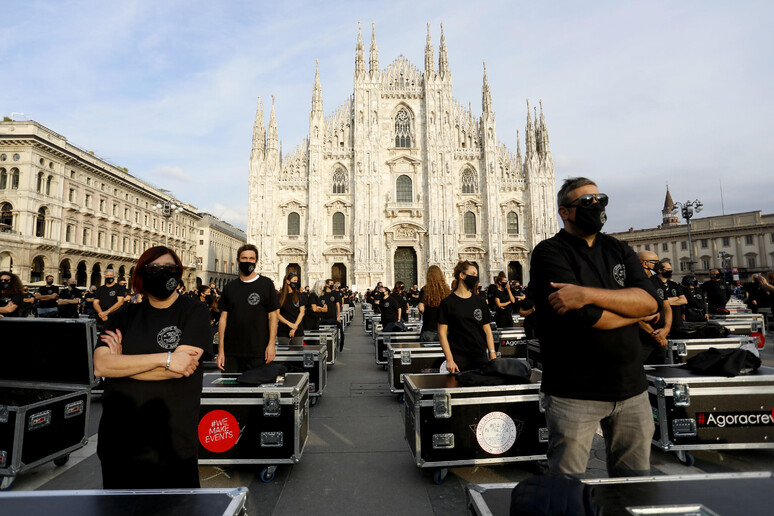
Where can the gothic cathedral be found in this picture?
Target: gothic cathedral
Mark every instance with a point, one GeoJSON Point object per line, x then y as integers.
{"type": "Point", "coordinates": [398, 178]}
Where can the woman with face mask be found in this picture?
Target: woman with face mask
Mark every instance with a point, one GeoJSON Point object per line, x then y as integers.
{"type": "Point", "coordinates": [149, 354]}
{"type": "Point", "coordinates": [11, 297]}
{"type": "Point", "coordinates": [504, 301]}
{"type": "Point", "coordinates": [290, 329]}
{"type": "Point", "coordinates": [463, 323]}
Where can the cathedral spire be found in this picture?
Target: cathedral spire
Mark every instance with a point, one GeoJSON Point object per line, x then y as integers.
{"type": "Point", "coordinates": [373, 64]}
{"type": "Point", "coordinates": [317, 103]}
{"type": "Point", "coordinates": [271, 140]}
{"type": "Point", "coordinates": [530, 135]}
{"type": "Point", "coordinates": [486, 94]}
{"type": "Point", "coordinates": [518, 152]}
{"type": "Point", "coordinates": [443, 58]}
{"type": "Point", "coordinates": [544, 131]}
{"type": "Point", "coordinates": [429, 66]}
{"type": "Point", "coordinates": [259, 129]}
{"type": "Point", "coordinates": [359, 53]}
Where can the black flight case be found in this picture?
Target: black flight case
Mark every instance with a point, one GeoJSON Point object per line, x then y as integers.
{"type": "Point", "coordinates": [751, 494]}
{"type": "Point", "coordinates": [694, 412]}
{"type": "Point", "coordinates": [382, 338]}
{"type": "Point", "coordinates": [411, 358]}
{"type": "Point", "coordinates": [253, 424]}
{"type": "Point", "coordinates": [447, 425]}
{"type": "Point", "coordinates": [510, 342]}
{"type": "Point", "coordinates": [46, 373]}
{"type": "Point", "coordinates": [171, 502]}
{"type": "Point", "coordinates": [680, 350]}
{"type": "Point", "coordinates": [328, 335]}
{"type": "Point", "coordinates": [309, 358]}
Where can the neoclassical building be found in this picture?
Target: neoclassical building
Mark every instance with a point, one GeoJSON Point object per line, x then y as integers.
{"type": "Point", "coordinates": [399, 177]}
{"type": "Point", "coordinates": [218, 242]}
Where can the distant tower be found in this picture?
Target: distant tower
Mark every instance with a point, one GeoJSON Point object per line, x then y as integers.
{"type": "Point", "coordinates": [669, 213]}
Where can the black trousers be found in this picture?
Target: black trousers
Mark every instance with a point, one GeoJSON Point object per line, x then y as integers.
{"type": "Point", "coordinates": [341, 330]}
{"type": "Point", "coordinates": [241, 364]}
{"type": "Point", "coordinates": [139, 474]}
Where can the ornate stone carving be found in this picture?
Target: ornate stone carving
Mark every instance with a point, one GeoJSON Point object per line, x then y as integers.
{"type": "Point", "coordinates": [405, 233]}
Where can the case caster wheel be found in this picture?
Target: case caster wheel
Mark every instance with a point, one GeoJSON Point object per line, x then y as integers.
{"type": "Point", "coordinates": [312, 402]}
{"type": "Point", "coordinates": [400, 398]}
{"type": "Point", "coordinates": [61, 461]}
{"type": "Point", "coordinates": [267, 475]}
{"type": "Point", "coordinates": [439, 477]}
{"type": "Point", "coordinates": [686, 459]}
{"type": "Point", "coordinates": [384, 367]}
{"type": "Point", "coordinates": [6, 482]}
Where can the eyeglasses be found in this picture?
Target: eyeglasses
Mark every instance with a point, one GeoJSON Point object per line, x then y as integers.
{"type": "Point", "coordinates": [586, 200]}
{"type": "Point", "coordinates": [156, 267]}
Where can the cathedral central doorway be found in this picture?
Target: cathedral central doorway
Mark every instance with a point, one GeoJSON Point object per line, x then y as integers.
{"type": "Point", "coordinates": [515, 272]}
{"type": "Point", "coordinates": [406, 266]}
{"type": "Point", "coordinates": [339, 273]}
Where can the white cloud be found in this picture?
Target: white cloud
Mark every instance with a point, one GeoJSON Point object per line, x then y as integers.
{"type": "Point", "coordinates": [175, 173]}
{"type": "Point", "coordinates": [233, 214]}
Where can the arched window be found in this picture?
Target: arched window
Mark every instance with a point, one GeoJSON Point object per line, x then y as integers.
{"type": "Point", "coordinates": [338, 223]}
{"type": "Point", "coordinates": [512, 223]}
{"type": "Point", "coordinates": [339, 181]}
{"type": "Point", "coordinates": [294, 224]}
{"type": "Point", "coordinates": [3, 179]}
{"type": "Point", "coordinates": [403, 189]}
{"type": "Point", "coordinates": [14, 178]}
{"type": "Point", "coordinates": [48, 184]}
{"type": "Point", "coordinates": [40, 223]}
{"type": "Point", "coordinates": [470, 223]}
{"type": "Point", "coordinates": [39, 187]}
{"type": "Point", "coordinates": [402, 129]}
{"type": "Point", "coordinates": [468, 182]}
{"type": "Point", "coordinates": [6, 217]}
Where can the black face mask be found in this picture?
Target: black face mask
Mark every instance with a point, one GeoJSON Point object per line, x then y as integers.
{"type": "Point", "coordinates": [109, 281]}
{"type": "Point", "coordinates": [295, 285]}
{"type": "Point", "coordinates": [49, 282]}
{"type": "Point", "coordinates": [470, 282]}
{"type": "Point", "coordinates": [246, 268]}
{"type": "Point", "coordinates": [4, 285]}
{"type": "Point", "coordinates": [159, 284]}
{"type": "Point", "coordinates": [209, 298]}
{"type": "Point", "coordinates": [590, 219]}
{"type": "Point", "coordinates": [667, 274]}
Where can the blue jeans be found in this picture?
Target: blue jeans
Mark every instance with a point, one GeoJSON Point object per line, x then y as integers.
{"type": "Point", "coordinates": [627, 427]}
{"type": "Point", "coordinates": [48, 313]}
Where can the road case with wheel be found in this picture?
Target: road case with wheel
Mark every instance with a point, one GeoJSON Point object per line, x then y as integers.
{"type": "Point", "coordinates": [680, 350]}
{"type": "Point", "coordinates": [510, 342]}
{"type": "Point", "coordinates": [45, 378]}
{"type": "Point", "coordinates": [412, 358]}
{"type": "Point", "coordinates": [188, 502]}
{"type": "Point", "coordinates": [448, 425]}
{"type": "Point", "coordinates": [329, 336]}
{"type": "Point", "coordinates": [748, 493]}
{"type": "Point", "coordinates": [382, 338]}
{"type": "Point", "coordinates": [694, 412]}
{"type": "Point", "coordinates": [253, 424]}
{"type": "Point", "coordinates": [310, 358]}
{"type": "Point", "coordinates": [534, 358]}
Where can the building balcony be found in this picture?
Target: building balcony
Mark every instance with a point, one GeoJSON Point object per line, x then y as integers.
{"type": "Point", "coordinates": [411, 209]}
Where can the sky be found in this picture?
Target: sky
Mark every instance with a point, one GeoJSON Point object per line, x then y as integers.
{"type": "Point", "coordinates": [637, 95]}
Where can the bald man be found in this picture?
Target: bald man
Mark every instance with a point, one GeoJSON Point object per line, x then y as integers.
{"type": "Point", "coordinates": [653, 332]}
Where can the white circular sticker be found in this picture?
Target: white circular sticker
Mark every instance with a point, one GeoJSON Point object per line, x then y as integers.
{"type": "Point", "coordinates": [496, 433]}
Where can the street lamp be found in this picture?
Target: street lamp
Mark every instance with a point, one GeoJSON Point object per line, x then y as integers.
{"type": "Point", "coordinates": [167, 209]}
{"type": "Point", "coordinates": [688, 208]}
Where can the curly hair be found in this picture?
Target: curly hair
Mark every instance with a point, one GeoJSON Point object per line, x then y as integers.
{"type": "Point", "coordinates": [436, 288]}
{"type": "Point", "coordinates": [16, 285]}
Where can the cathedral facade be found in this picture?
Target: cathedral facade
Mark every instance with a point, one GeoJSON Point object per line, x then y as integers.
{"type": "Point", "coordinates": [401, 176]}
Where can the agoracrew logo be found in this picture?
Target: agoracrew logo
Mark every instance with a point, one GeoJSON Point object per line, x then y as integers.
{"type": "Point", "coordinates": [724, 419]}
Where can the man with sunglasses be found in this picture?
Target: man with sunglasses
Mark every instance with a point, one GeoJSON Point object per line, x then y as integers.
{"type": "Point", "coordinates": [654, 330]}
{"type": "Point", "coordinates": [590, 292]}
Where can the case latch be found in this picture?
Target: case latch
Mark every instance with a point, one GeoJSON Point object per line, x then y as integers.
{"type": "Point", "coordinates": [3, 414]}
{"type": "Point", "coordinates": [271, 404]}
{"type": "Point", "coordinates": [442, 406]}
{"type": "Point", "coordinates": [73, 409]}
{"type": "Point", "coordinates": [3, 458]}
{"type": "Point", "coordinates": [271, 439]}
{"type": "Point", "coordinates": [308, 360]}
{"type": "Point", "coordinates": [312, 387]}
{"type": "Point", "coordinates": [684, 427]}
{"type": "Point", "coordinates": [405, 357]}
{"type": "Point", "coordinates": [39, 420]}
{"type": "Point", "coordinates": [680, 348]}
{"type": "Point", "coordinates": [543, 435]}
{"type": "Point", "coordinates": [443, 441]}
{"type": "Point", "coordinates": [681, 395]}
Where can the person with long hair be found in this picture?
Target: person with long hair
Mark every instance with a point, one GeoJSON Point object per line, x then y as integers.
{"type": "Point", "coordinates": [463, 323]}
{"type": "Point", "coordinates": [149, 354]}
{"type": "Point", "coordinates": [430, 297]}
{"type": "Point", "coordinates": [504, 301]}
{"type": "Point", "coordinates": [313, 306]}
{"type": "Point", "coordinates": [291, 315]}
{"type": "Point", "coordinates": [11, 297]}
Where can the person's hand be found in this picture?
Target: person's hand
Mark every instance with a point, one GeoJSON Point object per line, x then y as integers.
{"type": "Point", "coordinates": [221, 361]}
{"type": "Point", "coordinates": [113, 339]}
{"type": "Point", "coordinates": [451, 366]}
{"type": "Point", "coordinates": [294, 326]}
{"type": "Point", "coordinates": [567, 297]}
{"type": "Point", "coordinates": [271, 352]}
{"type": "Point", "coordinates": [184, 360]}
{"type": "Point", "coordinates": [103, 316]}
{"type": "Point", "coordinates": [660, 336]}
{"type": "Point", "coordinates": [292, 333]}
{"type": "Point", "coordinates": [338, 318]}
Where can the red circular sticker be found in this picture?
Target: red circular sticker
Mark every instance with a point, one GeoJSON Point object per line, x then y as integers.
{"type": "Point", "coordinates": [218, 431]}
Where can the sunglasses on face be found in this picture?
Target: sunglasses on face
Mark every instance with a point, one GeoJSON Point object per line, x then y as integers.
{"type": "Point", "coordinates": [155, 267]}
{"type": "Point", "coordinates": [586, 200]}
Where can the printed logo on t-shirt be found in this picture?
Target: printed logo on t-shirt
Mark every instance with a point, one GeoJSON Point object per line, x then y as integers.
{"type": "Point", "coordinates": [253, 299]}
{"type": "Point", "coordinates": [322, 302]}
{"type": "Point", "coordinates": [171, 284]}
{"type": "Point", "coordinates": [112, 293]}
{"type": "Point", "coordinates": [619, 274]}
{"type": "Point", "coordinates": [332, 298]}
{"type": "Point", "coordinates": [386, 304]}
{"type": "Point", "coordinates": [169, 337]}
{"type": "Point", "coordinates": [660, 294]}
{"type": "Point", "coordinates": [478, 314]}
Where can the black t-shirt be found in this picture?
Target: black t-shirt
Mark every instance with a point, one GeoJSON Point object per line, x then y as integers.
{"type": "Point", "coordinates": [331, 299]}
{"type": "Point", "coordinates": [16, 299]}
{"type": "Point", "coordinates": [109, 295]}
{"type": "Point", "coordinates": [580, 361]}
{"type": "Point", "coordinates": [717, 293]}
{"type": "Point", "coordinates": [695, 298]}
{"type": "Point", "coordinates": [70, 310]}
{"type": "Point", "coordinates": [154, 420]}
{"type": "Point", "coordinates": [390, 307]}
{"type": "Point", "coordinates": [47, 291]}
{"type": "Point", "coordinates": [290, 310]}
{"type": "Point", "coordinates": [26, 306]}
{"type": "Point", "coordinates": [466, 319]}
{"type": "Point", "coordinates": [414, 297]}
{"type": "Point", "coordinates": [430, 315]}
{"type": "Point", "coordinates": [403, 298]}
{"type": "Point", "coordinates": [503, 316]}
{"type": "Point", "coordinates": [667, 290]}
{"type": "Point", "coordinates": [311, 318]}
{"type": "Point", "coordinates": [247, 325]}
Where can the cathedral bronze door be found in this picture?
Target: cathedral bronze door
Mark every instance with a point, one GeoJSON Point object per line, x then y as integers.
{"type": "Point", "coordinates": [339, 273]}
{"type": "Point", "coordinates": [406, 266]}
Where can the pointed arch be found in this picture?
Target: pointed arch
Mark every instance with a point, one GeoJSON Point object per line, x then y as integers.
{"type": "Point", "coordinates": [403, 118]}
{"type": "Point", "coordinates": [469, 181]}
{"type": "Point", "coordinates": [339, 180]}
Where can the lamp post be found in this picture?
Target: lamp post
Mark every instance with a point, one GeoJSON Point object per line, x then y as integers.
{"type": "Point", "coordinates": [167, 209]}
{"type": "Point", "coordinates": [687, 209]}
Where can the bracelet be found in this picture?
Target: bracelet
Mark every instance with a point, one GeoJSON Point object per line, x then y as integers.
{"type": "Point", "coordinates": [169, 359]}
{"type": "Point", "coordinates": [492, 351]}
